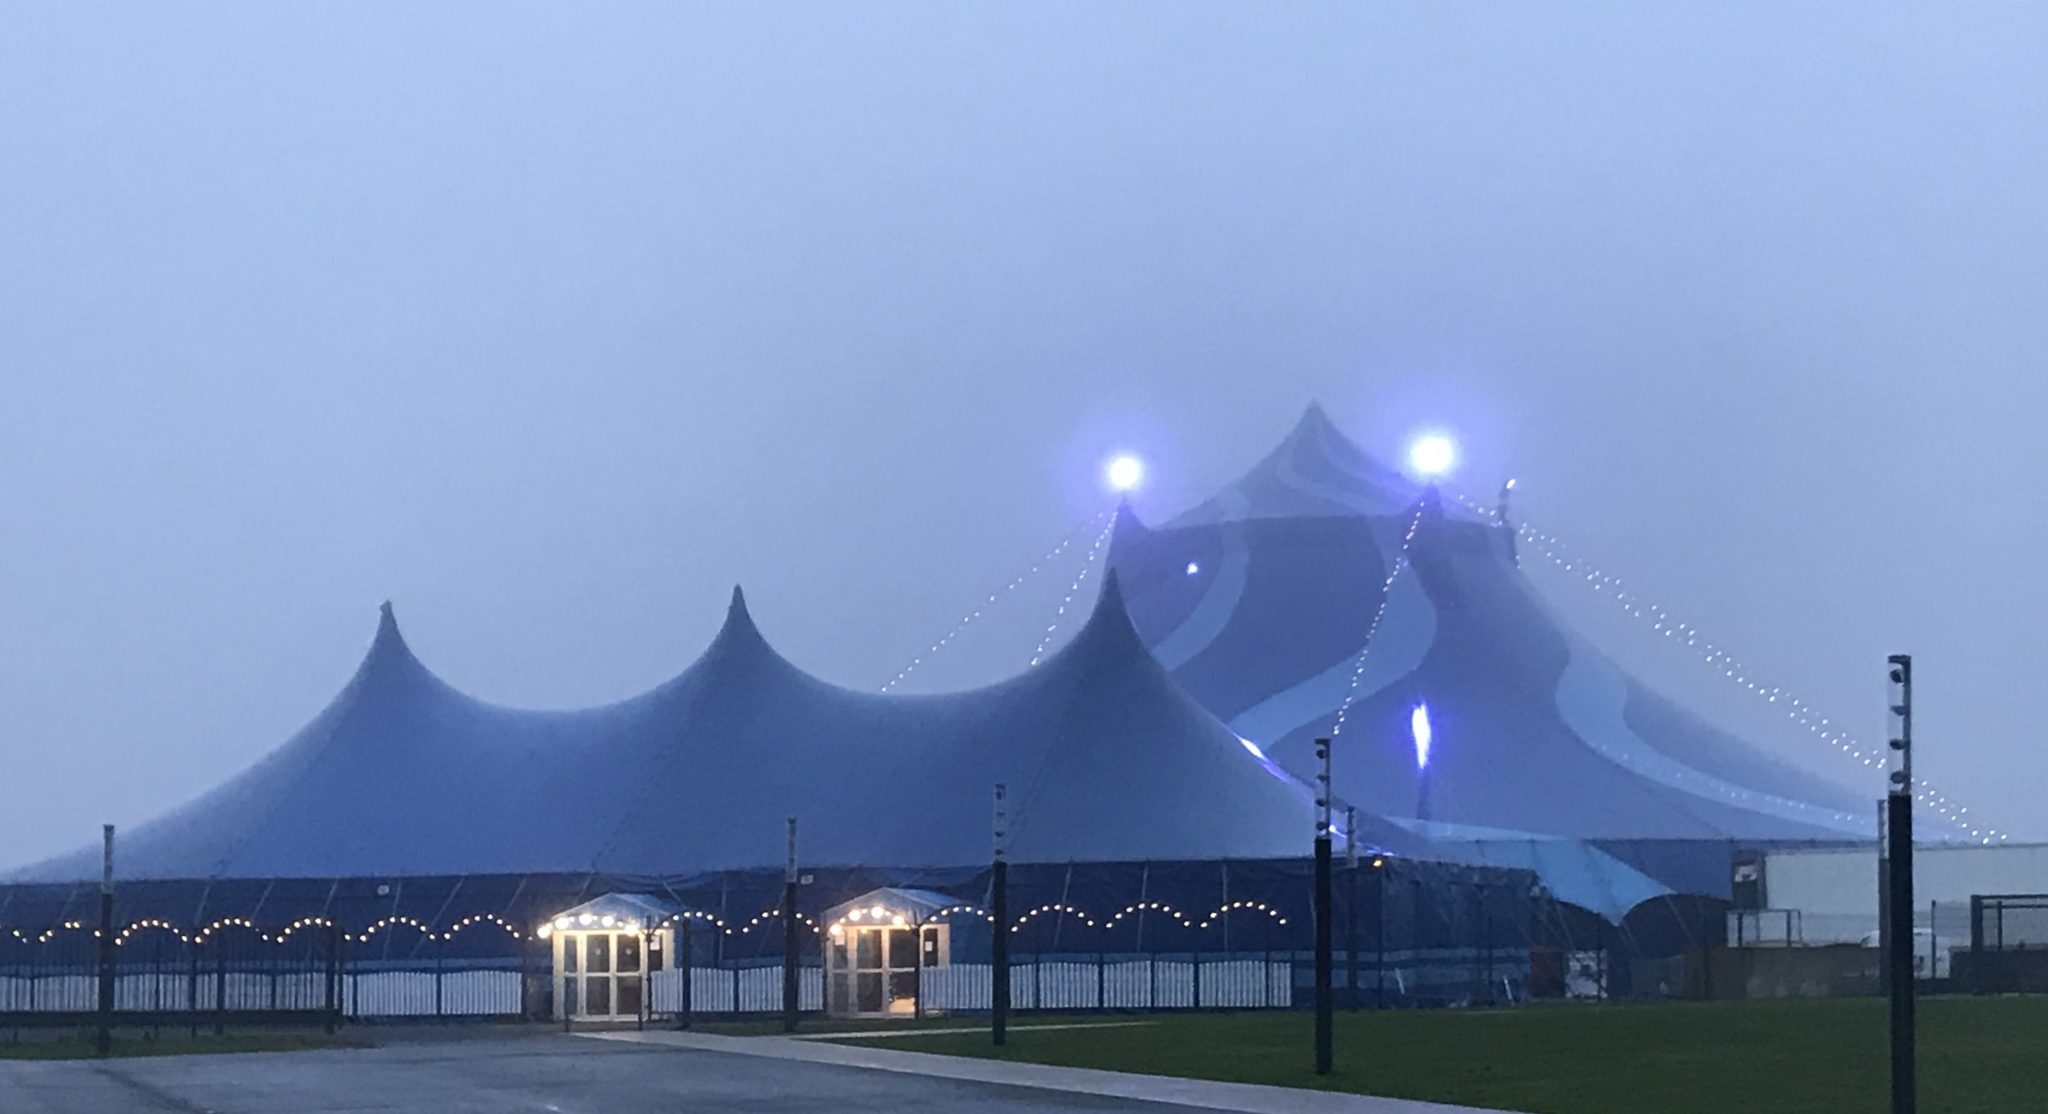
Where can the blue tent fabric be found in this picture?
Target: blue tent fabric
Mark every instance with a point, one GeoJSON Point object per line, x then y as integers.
{"type": "Point", "coordinates": [1176, 727]}
{"type": "Point", "coordinates": [402, 775]}
{"type": "Point", "coordinates": [1260, 601]}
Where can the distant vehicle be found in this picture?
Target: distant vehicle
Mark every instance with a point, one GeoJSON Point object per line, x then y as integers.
{"type": "Point", "coordinates": [1929, 950]}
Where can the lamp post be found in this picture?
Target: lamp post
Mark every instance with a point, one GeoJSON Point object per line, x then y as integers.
{"type": "Point", "coordinates": [103, 1037]}
{"type": "Point", "coordinates": [999, 917]}
{"type": "Point", "coordinates": [789, 937]}
{"type": "Point", "coordinates": [1899, 882]}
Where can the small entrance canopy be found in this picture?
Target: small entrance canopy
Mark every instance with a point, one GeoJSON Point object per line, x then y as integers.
{"type": "Point", "coordinates": [611, 911]}
{"type": "Point", "coordinates": [606, 951]}
{"type": "Point", "coordinates": [882, 946]}
{"type": "Point", "coordinates": [898, 907]}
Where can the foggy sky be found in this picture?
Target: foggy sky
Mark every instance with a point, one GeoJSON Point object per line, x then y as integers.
{"type": "Point", "coordinates": [549, 323]}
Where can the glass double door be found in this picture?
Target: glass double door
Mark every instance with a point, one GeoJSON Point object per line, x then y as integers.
{"type": "Point", "coordinates": [875, 971]}
{"type": "Point", "coordinates": [603, 975]}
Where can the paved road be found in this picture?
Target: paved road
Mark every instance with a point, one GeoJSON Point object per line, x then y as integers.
{"type": "Point", "coordinates": [524, 1075]}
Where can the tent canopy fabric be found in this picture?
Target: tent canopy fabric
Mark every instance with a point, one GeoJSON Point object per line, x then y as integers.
{"type": "Point", "coordinates": [402, 775]}
{"type": "Point", "coordinates": [1179, 730]}
{"type": "Point", "coordinates": [914, 905]}
{"type": "Point", "coordinates": [1261, 602]}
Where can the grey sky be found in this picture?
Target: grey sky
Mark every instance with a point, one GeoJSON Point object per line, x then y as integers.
{"type": "Point", "coordinates": [551, 322]}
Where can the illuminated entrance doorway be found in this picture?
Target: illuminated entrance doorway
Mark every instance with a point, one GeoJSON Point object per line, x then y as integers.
{"type": "Point", "coordinates": [879, 948]}
{"type": "Point", "coordinates": [606, 953]}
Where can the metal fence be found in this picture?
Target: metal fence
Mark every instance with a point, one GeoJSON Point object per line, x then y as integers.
{"type": "Point", "coordinates": [2008, 950]}
{"type": "Point", "coordinates": [194, 981]}
{"type": "Point", "coordinates": [230, 968]}
{"type": "Point", "coordinates": [1940, 930]}
{"type": "Point", "coordinates": [2008, 922]}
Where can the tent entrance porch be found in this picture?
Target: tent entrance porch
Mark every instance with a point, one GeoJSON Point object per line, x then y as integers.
{"type": "Point", "coordinates": [873, 970]}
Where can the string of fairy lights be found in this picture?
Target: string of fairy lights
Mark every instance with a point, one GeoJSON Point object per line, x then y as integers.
{"type": "Point", "coordinates": [994, 597]}
{"type": "Point", "coordinates": [1665, 625]}
{"type": "Point", "coordinates": [1379, 613]}
{"type": "Point", "coordinates": [1074, 589]}
{"type": "Point", "coordinates": [609, 922]}
{"type": "Point", "coordinates": [882, 915]}
{"type": "Point", "coordinates": [282, 935]}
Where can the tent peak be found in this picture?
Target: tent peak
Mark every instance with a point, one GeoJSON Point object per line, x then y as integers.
{"type": "Point", "coordinates": [1111, 619]}
{"type": "Point", "coordinates": [739, 639]}
{"type": "Point", "coordinates": [388, 638]}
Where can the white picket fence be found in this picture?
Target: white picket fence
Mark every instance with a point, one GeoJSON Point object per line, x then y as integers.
{"type": "Point", "coordinates": [1129, 984]}
{"type": "Point", "coordinates": [458, 993]}
{"type": "Point", "coordinates": [454, 993]}
{"type": "Point", "coordinates": [747, 990]}
{"type": "Point", "coordinates": [1116, 984]}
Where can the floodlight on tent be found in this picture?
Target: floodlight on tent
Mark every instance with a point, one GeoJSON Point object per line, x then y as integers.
{"type": "Point", "coordinates": [1125, 472]}
{"type": "Point", "coordinates": [1432, 454]}
{"type": "Point", "coordinates": [1253, 748]}
{"type": "Point", "coordinates": [1418, 726]}
{"type": "Point", "coordinates": [1194, 567]}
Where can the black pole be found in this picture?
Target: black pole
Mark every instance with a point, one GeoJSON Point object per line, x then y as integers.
{"type": "Point", "coordinates": [219, 941]}
{"type": "Point", "coordinates": [684, 962]}
{"type": "Point", "coordinates": [1899, 911]}
{"type": "Point", "coordinates": [999, 946]}
{"type": "Point", "coordinates": [103, 1039]}
{"type": "Point", "coordinates": [789, 939]}
{"type": "Point", "coordinates": [333, 982]}
{"type": "Point", "coordinates": [1323, 933]}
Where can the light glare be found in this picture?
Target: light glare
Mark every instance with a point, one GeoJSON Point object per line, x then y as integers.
{"type": "Point", "coordinates": [1432, 454]}
{"type": "Point", "coordinates": [1125, 472]}
{"type": "Point", "coordinates": [1418, 725]}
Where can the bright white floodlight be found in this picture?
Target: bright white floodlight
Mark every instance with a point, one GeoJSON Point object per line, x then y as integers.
{"type": "Point", "coordinates": [1432, 454]}
{"type": "Point", "coordinates": [1125, 472]}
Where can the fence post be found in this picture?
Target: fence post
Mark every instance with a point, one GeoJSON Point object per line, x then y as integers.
{"type": "Point", "coordinates": [1933, 940]}
{"type": "Point", "coordinates": [1198, 977]}
{"type": "Point", "coordinates": [526, 947]}
{"type": "Point", "coordinates": [1101, 979]}
{"type": "Point", "coordinates": [1486, 934]}
{"type": "Point", "coordinates": [192, 986]}
{"type": "Point", "coordinates": [1600, 959]}
{"type": "Point", "coordinates": [440, 958]}
{"type": "Point", "coordinates": [334, 977]}
{"type": "Point", "coordinates": [1380, 947]}
{"type": "Point", "coordinates": [1350, 907]}
{"type": "Point", "coordinates": [220, 985]}
{"type": "Point", "coordinates": [684, 962]}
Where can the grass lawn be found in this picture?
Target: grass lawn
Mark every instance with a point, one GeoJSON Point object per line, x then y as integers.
{"type": "Point", "coordinates": [1803, 1056]}
{"type": "Point", "coordinates": [74, 1047]}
